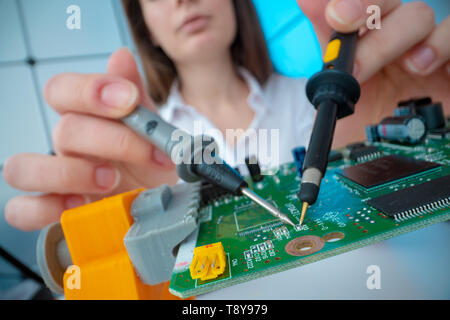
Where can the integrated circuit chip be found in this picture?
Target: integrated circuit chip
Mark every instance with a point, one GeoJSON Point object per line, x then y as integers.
{"type": "Point", "coordinates": [414, 201]}
{"type": "Point", "coordinates": [385, 169]}
{"type": "Point", "coordinates": [364, 153]}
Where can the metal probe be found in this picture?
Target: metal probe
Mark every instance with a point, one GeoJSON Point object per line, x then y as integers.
{"type": "Point", "coordinates": [334, 92]}
{"type": "Point", "coordinates": [273, 211]}
{"type": "Point", "coordinates": [188, 153]}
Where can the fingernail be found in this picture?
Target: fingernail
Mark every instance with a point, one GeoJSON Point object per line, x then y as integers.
{"type": "Point", "coordinates": [421, 59]}
{"type": "Point", "coordinates": [74, 201]}
{"type": "Point", "coordinates": [347, 11]}
{"type": "Point", "coordinates": [118, 95]}
{"type": "Point", "coordinates": [161, 158]}
{"type": "Point", "coordinates": [106, 177]}
{"type": "Point", "coordinates": [10, 211]}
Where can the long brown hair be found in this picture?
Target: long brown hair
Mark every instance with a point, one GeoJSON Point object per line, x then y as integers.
{"type": "Point", "coordinates": [248, 50]}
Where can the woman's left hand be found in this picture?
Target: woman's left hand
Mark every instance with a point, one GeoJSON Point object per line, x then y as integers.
{"type": "Point", "coordinates": [408, 57]}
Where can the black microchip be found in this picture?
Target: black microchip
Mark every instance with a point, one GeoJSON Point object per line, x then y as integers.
{"type": "Point", "coordinates": [355, 145]}
{"type": "Point", "coordinates": [414, 201]}
{"type": "Point", "coordinates": [363, 153]}
{"type": "Point", "coordinates": [385, 169]}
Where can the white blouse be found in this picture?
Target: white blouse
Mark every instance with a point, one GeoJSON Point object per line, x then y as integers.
{"type": "Point", "coordinates": [281, 107]}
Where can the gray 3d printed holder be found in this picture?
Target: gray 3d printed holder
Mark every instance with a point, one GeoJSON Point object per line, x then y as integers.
{"type": "Point", "coordinates": [163, 218]}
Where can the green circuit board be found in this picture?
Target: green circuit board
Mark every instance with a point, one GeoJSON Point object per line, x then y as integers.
{"type": "Point", "coordinates": [257, 244]}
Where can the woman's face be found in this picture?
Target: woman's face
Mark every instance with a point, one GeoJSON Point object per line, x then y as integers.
{"type": "Point", "coordinates": [191, 30]}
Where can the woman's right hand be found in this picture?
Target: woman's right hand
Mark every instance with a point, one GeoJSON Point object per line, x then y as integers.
{"type": "Point", "coordinates": [96, 155]}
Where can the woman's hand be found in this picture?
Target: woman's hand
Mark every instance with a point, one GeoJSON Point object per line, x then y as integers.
{"type": "Point", "coordinates": [96, 155]}
{"type": "Point", "coordinates": [408, 57]}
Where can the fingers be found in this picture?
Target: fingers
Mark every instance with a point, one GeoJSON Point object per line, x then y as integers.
{"type": "Point", "coordinates": [63, 175]}
{"type": "Point", "coordinates": [314, 10]}
{"type": "Point", "coordinates": [341, 15]}
{"type": "Point", "coordinates": [432, 53]}
{"type": "Point", "coordinates": [398, 34]}
{"type": "Point", "coordinates": [122, 63]}
{"type": "Point", "coordinates": [35, 212]}
{"type": "Point", "coordinates": [350, 15]}
{"type": "Point", "coordinates": [98, 94]}
{"type": "Point", "coordinates": [77, 134]}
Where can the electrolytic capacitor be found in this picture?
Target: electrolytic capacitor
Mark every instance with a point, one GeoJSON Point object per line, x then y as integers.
{"type": "Point", "coordinates": [405, 129]}
{"type": "Point", "coordinates": [253, 168]}
{"type": "Point", "coordinates": [431, 112]}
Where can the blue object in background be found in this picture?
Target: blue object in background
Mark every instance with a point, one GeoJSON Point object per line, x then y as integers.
{"type": "Point", "coordinates": [293, 46]}
{"type": "Point", "coordinates": [299, 155]}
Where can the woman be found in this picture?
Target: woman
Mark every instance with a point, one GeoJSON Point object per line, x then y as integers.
{"type": "Point", "coordinates": [206, 60]}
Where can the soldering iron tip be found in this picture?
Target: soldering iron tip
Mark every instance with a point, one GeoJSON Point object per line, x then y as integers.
{"type": "Point", "coordinates": [304, 209]}
{"type": "Point", "coordinates": [288, 221]}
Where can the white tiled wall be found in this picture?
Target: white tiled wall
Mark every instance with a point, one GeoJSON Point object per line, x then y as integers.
{"type": "Point", "coordinates": [35, 44]}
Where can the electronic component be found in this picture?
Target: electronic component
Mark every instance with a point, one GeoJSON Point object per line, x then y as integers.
{"type": "Point", "coordinates": [299, 154]}
{"type": "Point", "coordinates": [385, 169]}
{"type": "Point", "coordinates": [355, 145]}
{"type": "Point", "coordinates": [364, 153]}
{"type": "Point", "coordinates": [269, 244]}
{"type": "Point", "coordinates": [262, 247]}
{"type": "Point", "coordinates": [430, 111]}
{"type": "Point", "coordinates": [208, 262]}
{"type": "Point", "coordinates": [405, 129]}
{"type": "Point", "coordinates": [443, 133]}
{"type": "Point", "coordinates": [414, 201]}
{"type": "Point", "coordinates": [253, 168]}
{"type": "Point", "coordinates": [415, 102]}
{"type": "Point", "coordinates": [210, 193]}
{"type": "Point", "coordinates": [335, 156]}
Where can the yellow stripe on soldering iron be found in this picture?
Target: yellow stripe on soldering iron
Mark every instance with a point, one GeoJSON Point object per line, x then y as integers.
{"type": "Point", "coordinates": [332, 51]}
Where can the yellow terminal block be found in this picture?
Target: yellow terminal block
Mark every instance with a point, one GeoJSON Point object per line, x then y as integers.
{"type": "Point", "coordinates": [209, 262]}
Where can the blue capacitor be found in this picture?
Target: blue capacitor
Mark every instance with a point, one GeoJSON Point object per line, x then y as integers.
{"type": "Point", "coordinates": [406, 129]}
{"type": "Point", "coordinates": [299, 155]}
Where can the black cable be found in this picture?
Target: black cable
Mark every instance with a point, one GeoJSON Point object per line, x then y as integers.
{"type": "Point", "coordinates": [27, 272]}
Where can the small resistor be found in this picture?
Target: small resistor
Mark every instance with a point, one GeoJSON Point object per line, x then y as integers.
{"type": "Point", "coordinates": [286, 232]}
{"type": "Point", "coordinates": [269, 244]}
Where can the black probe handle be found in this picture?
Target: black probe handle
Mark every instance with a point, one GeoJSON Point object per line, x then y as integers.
{"type": "Point", "coordinates": [340, 52]}
{"type": "Point", "coordinates": [321, 137]}
{"type": "Point", "coordinates": [333, 91]}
